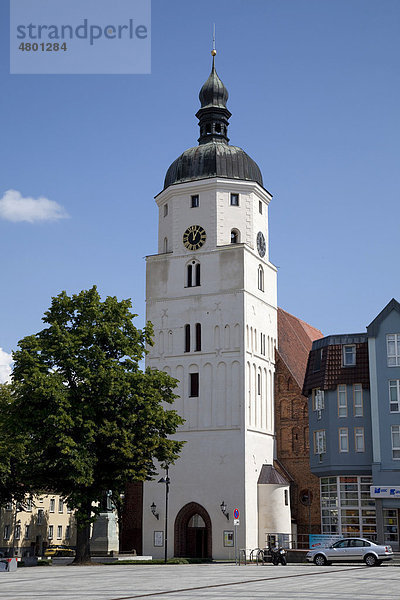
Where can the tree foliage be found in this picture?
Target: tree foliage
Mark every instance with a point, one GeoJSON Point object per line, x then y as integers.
{"type": "Point", "coordinates": [92, 420]}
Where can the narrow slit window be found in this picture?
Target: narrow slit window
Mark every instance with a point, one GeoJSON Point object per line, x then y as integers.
{"type": "Point", "coordinates": [198, 274]}
{"type": "Point", "coordinates": [235, 238]}
{"type": "Point", "coordinates": [198, 337]}
{"type": "Point", "coordinates": [193, 385]}
{"type": "Point", "coordinates": [195, 201]}
{"type": "Point", "coordinates": [234, 199]}
{"type": "Point", "coordinates": [187, 338]}
{"type": "Point", "coordinates": [189, 276]}
{"type": "Point", "coordinates": [261, 278]}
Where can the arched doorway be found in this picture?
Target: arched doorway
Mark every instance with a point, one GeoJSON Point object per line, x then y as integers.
{"type": "Point", "coordinates": [193, 532]}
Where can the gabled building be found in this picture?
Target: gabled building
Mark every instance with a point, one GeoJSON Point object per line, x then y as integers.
{"type": "Point", "coordinates": [353, 388]}
{"type": "Point", "coordinates": [295, 338]}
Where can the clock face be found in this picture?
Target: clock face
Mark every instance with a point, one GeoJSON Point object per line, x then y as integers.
{"type": "Point", "coordinates": [194, 237]}
{"type": "Point", "coordinates": [261, 246]}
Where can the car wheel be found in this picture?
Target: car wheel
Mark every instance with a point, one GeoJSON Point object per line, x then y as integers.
{"type": "Point", "coordinates": [320, 560]}
{"type": "Point", "coordinates": [370, 560]}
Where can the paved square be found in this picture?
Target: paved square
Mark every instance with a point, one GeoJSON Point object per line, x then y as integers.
{"type": "Point", "coordinates": [184, 582]}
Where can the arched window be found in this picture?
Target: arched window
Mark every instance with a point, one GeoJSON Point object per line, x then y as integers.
{"type": "Point", "coordinates": [235, 236]}
{"type": "Point", "coordinates": [193, 274]}
{"type": "Point", "coordinates": [260, 278]}
{"type": "Point", "coordinates": [187, 338]}
{"type": "Point", "coordinates": [165, 245]}
{"type": "Point", "coordinates": [198, 337]}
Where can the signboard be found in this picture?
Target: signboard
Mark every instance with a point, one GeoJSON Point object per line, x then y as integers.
{"type": "Point", "coordinates": [388, 491]}
{"type": "Point", "coordinates": [322, 541]}
{"type": "Point", "coordinates": [158, 538]}
{"type": "Point", "coordinates": [228, 538]}
{"type": "Point", "coordinates": [236, 513]}
{"type": "Point", "coordinates": [236, 522]}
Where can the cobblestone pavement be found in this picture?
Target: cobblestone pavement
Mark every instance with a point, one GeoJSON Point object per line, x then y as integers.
{"type": "Point", "coordinates": [184, 582]}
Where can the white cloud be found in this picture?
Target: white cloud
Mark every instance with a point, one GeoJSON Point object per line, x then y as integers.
{"type": "Point", "coordinates": [14, 207]}
{"type": "Point", "coordinates": [5, 366]}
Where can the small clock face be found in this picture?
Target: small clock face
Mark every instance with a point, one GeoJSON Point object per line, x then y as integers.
{"type": "Point", "coordinates": [261, 244]}
{"type": "Point", "coordinates": [194, 237]}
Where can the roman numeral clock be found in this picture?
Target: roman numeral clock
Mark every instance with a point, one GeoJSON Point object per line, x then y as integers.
{"type": "Point", "coordinates": [194, 237]}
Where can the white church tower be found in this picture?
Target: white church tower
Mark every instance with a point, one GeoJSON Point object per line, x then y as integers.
{"type": "Point", "coordinates": [212, 298]}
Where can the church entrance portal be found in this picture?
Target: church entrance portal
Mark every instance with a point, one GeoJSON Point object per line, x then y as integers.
{"type": "Point", "coordinates": [193, 532]}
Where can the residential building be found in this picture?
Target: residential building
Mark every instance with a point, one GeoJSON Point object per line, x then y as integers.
{"type": "Point", "coordinates": [352, 388]}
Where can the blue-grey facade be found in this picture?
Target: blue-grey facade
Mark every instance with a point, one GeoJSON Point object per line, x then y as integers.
{"type": "Point", "coordinates": [353, 386]}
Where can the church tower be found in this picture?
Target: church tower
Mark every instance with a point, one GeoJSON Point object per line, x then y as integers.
{"type": "Point", "coordinates": [211, 296]}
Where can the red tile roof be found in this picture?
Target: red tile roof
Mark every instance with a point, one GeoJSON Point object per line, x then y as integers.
{"type": "Point", "coordinates": [295, 338]}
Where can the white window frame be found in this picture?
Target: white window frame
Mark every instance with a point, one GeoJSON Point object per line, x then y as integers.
{"type": "Point", "coordinates": [60, 506]}
{"type": "Point", "coordinates": [394, 405]}
{"type": "Point", "coordinates": [393, 354]}
{"type": "Point", "coordinates": [346, 355]}
{"type": "Point", "coordinates": [359, 439]}
{"type": "Point", "coordinates": [320, 441]}
{"type": "Point", "coordinates": [18, 531]}
{"type": "Point", "coordinates": [343, 436]}
{"type": "Point", "coordinates": [358, 407]}
{"type": "Point", "coordinates": [27, 532]}
{"type": "Point", "coordinates": [59, 532]}
{"type": "Point", "coordinates": [40, 516]}
{"type": "Point", "coordinates": [342, 400]}
{"type": "Point", "coordinates": [51, 532]}
{"type": "Point", "coordinates": [318, 399]}
{"type": "Point", "coordinates": [52, 506]}
{"type": "Point", "coordinates": [395, 431]}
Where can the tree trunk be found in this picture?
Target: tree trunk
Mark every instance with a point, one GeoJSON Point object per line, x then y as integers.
{"type": "Point", "coordinates": [82, 555]}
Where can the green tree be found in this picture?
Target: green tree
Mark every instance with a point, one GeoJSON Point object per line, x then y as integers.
{"type": "Point", "coordinates": [93, 421]}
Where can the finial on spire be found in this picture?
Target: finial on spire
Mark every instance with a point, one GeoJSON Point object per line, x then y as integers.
{"type": "Point", "coordinates": [213, 51]}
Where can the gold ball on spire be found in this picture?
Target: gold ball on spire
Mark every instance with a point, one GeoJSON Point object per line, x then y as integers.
{"type": "Point", "coordinates": [213, 52]}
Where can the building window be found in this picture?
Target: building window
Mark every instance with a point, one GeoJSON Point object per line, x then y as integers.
{"type": "Point", "coordinates": [61, 505]}
{"type": "Point", "coordinates": [69, 510]}
{"type": "Point", "coordinates": [358, 408]}
{"type": "Point", "coordinates": [393, 349]}
{"type": "Point", "coordinates": [342, 400]}
{"type": "Point", "coordinates": [27, 532]}
{"type": "Point", "coordinates": [318, 400]}
{"type": "Point", "coordinates": [165, 210]}
{"type": "Point", "coordinates": [260, 278]}
{"type": "Point", "coordinates": [359, 439]}
{"type": "Point", "coordinates": [394, 395]}
{"type": "Point", "coordinates": [52, 505]}
{"type": "Point", "coordinates": [165, 245]}
{"type": "Point", "coordinates": [259, 384]}
{"type": "Point", "coordinates": [9, 506]}
{"type": "Point", "coordinates": [198, 337]}
{"type": "Point", "coordinates": [193, 385]}
{"type": "Point", "coordinates": [6, 535]}
{"type": "Point", "coordinates": [260, 207]}
{"type": "Point", "coordinates": [17, 531]}
{"type": "Point", "coordinates": [343, 439]}
{"type": "Point", "coordinates": [194, 201]}
{"type": "Point", "coordinates": [235, 236]}
{"type": "Point", "coordinates": [68, 532]}
{"type": "Point", "coordinates": [234, 199]}
{"type": "Point", "coordinates": [286, 498]}
{"type": "Point", "coordinates": [262, 339]}
{"type": "Point", "coordinates": [317, 360]}
{"type": "Point", "coordinates": [193, 274]}
{"type": "Point", "coordinates": [59, 532]}
{"type": "Point", "coordinates": [28, 505]}
{"type": "Point", "coordinates": [349, 356]}
{"type": "Point", "coordinates": [40, 516]}
{"type": "Point", "coordinates": [395, 442]}
{"type": "Point", "coordinates": [51, 529]}
{"type": "Point", "coordinates": [187, 338]}
{"type": "Point", "coordinates": [320, 441]}
{"type": "Point", "coordinates": [347, 508]}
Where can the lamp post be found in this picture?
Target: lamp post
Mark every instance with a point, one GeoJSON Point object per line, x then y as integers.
{"type": "Point", "coordinates": [167, 481]}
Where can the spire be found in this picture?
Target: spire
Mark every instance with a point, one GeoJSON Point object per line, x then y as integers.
{"type": "Point", "coordinates": [213, 115]}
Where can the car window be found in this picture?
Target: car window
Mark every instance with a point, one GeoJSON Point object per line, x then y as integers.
{"type": "Point", "coordinates": [356, 543]}
{"type": "Point", "coordinates": [366, 543]}
{"type": "Point", "coordinates": [341, 544]}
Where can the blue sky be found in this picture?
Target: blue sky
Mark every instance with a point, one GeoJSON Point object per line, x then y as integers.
{"type": "Point", "coordinates": [314, 94]}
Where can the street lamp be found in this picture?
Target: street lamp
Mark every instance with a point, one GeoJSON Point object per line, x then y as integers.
{"type": "Point", "coordinates": [167, 481]}
{"type": "Point", "coordinates": [153, 509]}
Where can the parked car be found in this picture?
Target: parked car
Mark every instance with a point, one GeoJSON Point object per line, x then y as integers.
{"type": "Point", "coordinates": [349, 550]}
{"type": "Point", "coordinates": [60, 550]}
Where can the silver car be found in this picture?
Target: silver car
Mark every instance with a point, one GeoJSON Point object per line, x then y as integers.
{"type": "Point", "coordinates": [349, 550]}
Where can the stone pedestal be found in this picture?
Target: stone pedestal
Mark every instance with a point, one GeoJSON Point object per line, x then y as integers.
{"type": "Point", "coordinates": [104, 540]}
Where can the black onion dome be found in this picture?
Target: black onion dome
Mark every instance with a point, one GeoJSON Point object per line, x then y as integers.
{"type": "Point", "coordinates": [213, 160]}
{"type": "Point", "coordinates": [213, 92]}
{"type": "Point", "coordinates": [213, 157]}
